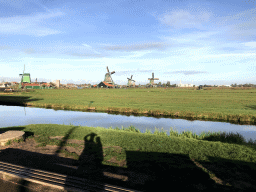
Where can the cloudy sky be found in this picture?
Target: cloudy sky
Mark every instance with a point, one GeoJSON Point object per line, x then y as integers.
{"type": "Point", "coordinates": [198, 41]}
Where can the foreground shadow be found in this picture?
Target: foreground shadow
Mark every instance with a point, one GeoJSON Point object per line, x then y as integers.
{"type": "Point", "coordinates": [237, 173]}
{"type": "Point", "coordinates": [3, 130]}
{"type": "Point", "coordinates": [90, 161]}
{"type": "Point", "coordinates": [146, 171]}
{"type": "Point", "coordinates": [16, 100]}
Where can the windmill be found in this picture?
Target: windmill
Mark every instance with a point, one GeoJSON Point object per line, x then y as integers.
{"type": "Point", "coordinates": [152, 79]}
{"type": "Point", "coordinates": [130, 83]}
{"type": "Point", "coordinates": [108, 78]}
{"type": "Point", "coordinates": [25, 78]}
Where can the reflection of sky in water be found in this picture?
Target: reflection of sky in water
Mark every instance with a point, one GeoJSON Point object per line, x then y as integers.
{"type": "Point", "coordinates": [16, 116]}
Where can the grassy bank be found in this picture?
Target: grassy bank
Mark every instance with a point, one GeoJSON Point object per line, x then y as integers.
{"type": "Point", "coordinates": [225, 158]}
{"type": "Point", "coordinates": [235, 105]}
{"type": "Point", "coordinates": [132, 139]}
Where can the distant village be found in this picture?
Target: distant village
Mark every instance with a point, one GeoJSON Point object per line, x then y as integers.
{"type": "Point", "coordinates": [108, 82]}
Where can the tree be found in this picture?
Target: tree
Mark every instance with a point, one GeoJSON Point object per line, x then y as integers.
{"type": "Point", "coordinates": [159, 83]}
{"type": "Point", "coordinates": [168, 83]}
{"type": "Point", "coordinates": [52, 84]}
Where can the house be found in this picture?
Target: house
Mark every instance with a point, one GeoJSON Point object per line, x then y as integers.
{"type": "Point", "coordinates": [224, 85]}
{"type": "Point", "coordinates": [70, 85]}
{"type": "Point", "coordinates": [3, 85]}
{"type": "Point", "coordinates": [36, 85]}
{"type": "Point", "coordinates": [103, 84]}
{"type": "Point", "coordinates": [185, 85]}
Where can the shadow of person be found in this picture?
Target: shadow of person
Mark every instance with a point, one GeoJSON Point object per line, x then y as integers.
{"type": "Point", "coordinates": [89, 165]}
{"type": "Point", "coordinates": [90, 160]}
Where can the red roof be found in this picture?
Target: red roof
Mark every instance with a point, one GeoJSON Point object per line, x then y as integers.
{"type": "Point", "coordinates": [34, 84]}
{"type": "Point", "coordinates": [108, 84]}
{"type": "Point", "coordinates": [31, 84]}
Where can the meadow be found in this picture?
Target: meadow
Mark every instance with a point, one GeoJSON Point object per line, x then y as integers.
{"type": "Point", "coordinates": [227, 104]}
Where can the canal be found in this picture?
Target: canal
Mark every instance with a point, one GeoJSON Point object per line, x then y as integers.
{"type": "Point", "coordinates": [18, 116]}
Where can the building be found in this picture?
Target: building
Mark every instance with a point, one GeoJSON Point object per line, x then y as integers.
{"type": "Point", "coordinates": [36, 86]}
{"type": "Point", "coordinates": [185, 85]}
{"type": "Point", "coordinates": [57, 83]}
{"type": "Point", "coordinates": [3, 85]}
{"type": "Point", "coordinates": [103, 84]}
{"type": "Point", "coordinates": [224, 85]}
{"type": "Point", "coordinates": [70, 84]}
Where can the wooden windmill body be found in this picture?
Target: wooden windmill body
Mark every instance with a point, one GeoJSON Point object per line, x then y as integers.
{"type": "Point", "coordinates": [152, 80]}
{"type": "Point", "coordinates": [108, 78]}
{"type": "Point", "coordinates": [25, 78]}
{"type": "Point", "coordinates": [131, 82]}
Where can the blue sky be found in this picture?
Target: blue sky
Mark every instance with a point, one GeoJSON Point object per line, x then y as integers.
{"type": "Point", "coordinates": [200, 42]}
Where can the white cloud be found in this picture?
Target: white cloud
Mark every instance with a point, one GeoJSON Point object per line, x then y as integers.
{"type": "Point", "coordinates": [250, 44]}
{"type": "Point", "coordinates": [90, 48]}
{"type": "Point", "coordinates": [137, 47]}
{"type": "Point", "coordinates": [184, 19]}
{"type": "Point", "coordinates": [28, 25]}
{"type": "Point", "coordinates": [241, 26]}
{"type": "Point", "coordinates": [230, 55]}
{"type": "Point", "coordinates": [87, 46]}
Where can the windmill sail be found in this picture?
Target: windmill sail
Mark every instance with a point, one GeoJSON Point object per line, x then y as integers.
{"type": "Point", "coordinates": [108, 77]}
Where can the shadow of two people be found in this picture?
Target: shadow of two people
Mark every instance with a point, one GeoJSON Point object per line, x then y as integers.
{"type": "Point", "coordinates": [146, 171]}
{"type": "Point", "coordinates": [90, 161]}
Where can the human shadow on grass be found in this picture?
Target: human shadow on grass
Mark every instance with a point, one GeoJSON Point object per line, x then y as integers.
{"type": "Point", "coordinates": [146, 171]}
{"type": "Point", "coordinates": [90, 162]}
{"type": "Point", "coordinates": [16, 100]}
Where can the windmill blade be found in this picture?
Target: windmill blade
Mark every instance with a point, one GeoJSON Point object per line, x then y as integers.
{"type": "Point", "coordinates": [112, 72]}
{"type": "Point", "coordinates": [107, 69]}
{"type": "Point", "coordinates": [152, 75]}
{"type": "Point", "coordinates": [131, 76]}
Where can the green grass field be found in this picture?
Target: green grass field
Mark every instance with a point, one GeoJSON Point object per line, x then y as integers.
{"type": "Point", "coordinates": [224, 157]}
{"type": "Point", "coordinates": [228, 104]}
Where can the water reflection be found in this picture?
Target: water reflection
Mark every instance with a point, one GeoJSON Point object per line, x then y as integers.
{"type": "Point", "coordinates": [16, 116]}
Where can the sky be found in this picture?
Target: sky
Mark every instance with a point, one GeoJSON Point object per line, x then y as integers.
{"type": "Point", "coordinates": [197, 42]}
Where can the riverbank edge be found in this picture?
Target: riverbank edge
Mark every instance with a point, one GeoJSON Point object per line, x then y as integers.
{"type": "Point", "coordinates": [234, 118]}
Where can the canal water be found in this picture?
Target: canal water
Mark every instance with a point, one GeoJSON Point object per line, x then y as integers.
{"type": "Point", "coordinates": [18, 116]}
